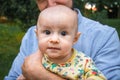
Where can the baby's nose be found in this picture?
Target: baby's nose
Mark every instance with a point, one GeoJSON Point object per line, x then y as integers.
{"type": "Point", "coordinates": [54, 39]}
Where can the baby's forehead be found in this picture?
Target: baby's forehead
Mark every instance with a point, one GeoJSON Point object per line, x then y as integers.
{"type": "Point", "coordinates": [60, 15]}
{"type": "Point", "coordinates": [58, 10]}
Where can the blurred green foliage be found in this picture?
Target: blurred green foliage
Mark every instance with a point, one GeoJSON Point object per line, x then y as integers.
{"type": "Point", "coordinates": [10, 39]}
{"type": "Point", "coordinates": [25, 11]}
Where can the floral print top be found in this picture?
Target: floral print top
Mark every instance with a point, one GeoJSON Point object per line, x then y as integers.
{"type": "Point", "coordinates": [78, 67]}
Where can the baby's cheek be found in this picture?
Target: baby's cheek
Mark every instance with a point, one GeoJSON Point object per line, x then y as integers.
{"type": "Point", "coordinates": [67, 47]}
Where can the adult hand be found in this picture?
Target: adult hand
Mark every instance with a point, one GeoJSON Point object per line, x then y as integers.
{"type": "Point", "coordinates": [32, 65]}
{"type": "Point", "coordinates": [33, 69]}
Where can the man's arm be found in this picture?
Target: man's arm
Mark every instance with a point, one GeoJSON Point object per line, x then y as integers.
{"type": "Point", "coordinates": [33, 69]}
{"type": "Point", "coordinates": [108, 55]}
{"type": "Point", "coordinates": [102, 44]}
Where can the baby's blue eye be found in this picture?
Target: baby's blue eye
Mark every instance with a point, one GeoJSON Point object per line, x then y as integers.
{"type": "Point", "coordinates": [63, 33]}
{"type": "Point", "coordinates": [47, 32]}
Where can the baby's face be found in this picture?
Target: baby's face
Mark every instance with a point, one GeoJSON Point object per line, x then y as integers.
{"type": "Point", "coordinates": [56, 36]}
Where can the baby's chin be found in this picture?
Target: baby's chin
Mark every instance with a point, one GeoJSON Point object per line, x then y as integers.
{"type": "Point", "coordinates": [53, 56]}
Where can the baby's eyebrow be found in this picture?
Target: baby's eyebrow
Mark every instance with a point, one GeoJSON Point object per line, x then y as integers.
{"type": "Point", "coordinates": [46, 27]}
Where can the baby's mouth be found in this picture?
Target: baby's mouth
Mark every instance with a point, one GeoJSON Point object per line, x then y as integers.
{"type": "Point", "coordinates": [54, 48]}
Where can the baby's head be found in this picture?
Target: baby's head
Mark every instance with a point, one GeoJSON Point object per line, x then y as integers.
{"type": "Point", "coordinates": [57, 31]}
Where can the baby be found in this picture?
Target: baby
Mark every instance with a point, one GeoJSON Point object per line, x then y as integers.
{"type": "Point", "coordinates": [57, 32]}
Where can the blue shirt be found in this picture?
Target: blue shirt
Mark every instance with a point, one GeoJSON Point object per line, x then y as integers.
{"type": "Point", "coordinates": [98, 41]}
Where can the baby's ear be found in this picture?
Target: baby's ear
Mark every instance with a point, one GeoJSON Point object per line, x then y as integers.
{"type": "Point", "coordinates": [36, 32]}
{"type": "Point", "coordinates": [76, 37]}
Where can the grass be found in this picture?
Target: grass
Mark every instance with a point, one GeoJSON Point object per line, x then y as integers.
{"type": "Point", "coordinates": [10, 39]}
